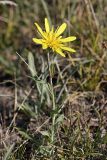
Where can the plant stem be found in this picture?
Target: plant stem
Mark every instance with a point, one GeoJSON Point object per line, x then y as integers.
{"type": "Point", "coordinates": [53, 103]}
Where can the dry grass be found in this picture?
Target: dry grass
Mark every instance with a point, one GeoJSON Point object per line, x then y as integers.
{"type": "Point", "coordinates": [29, 128]}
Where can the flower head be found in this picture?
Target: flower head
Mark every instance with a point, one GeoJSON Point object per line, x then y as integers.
{"type": "Point", "coordinates": [53, 39]}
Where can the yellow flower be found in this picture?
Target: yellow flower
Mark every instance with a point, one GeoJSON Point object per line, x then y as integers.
{"type": "Point", "coordinates": [53, 39]}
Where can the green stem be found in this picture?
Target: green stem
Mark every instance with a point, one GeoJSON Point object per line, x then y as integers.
{"type": "Point", "coordinates": [53, 103]}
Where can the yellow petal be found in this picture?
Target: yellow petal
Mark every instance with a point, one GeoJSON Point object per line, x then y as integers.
{"type": "Point", "coordinates": [68, 49]}
{"type": "Point", "coordinates": [60, 52]}
{"type": "Point", "coordinates": [38, 41]}
{"type": "Point", "coordinates": [40, 29]}
{"type": "Point", "coordinates": [44, 46]}
{"type": "Point", "coordinates": [47, 27]}
{"type": "Point", "coordinates": [68, 39]}
{"type": "Point", "coordinates": [61, 29]}
{"type": "Point", "coordinates": [51, 33]}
